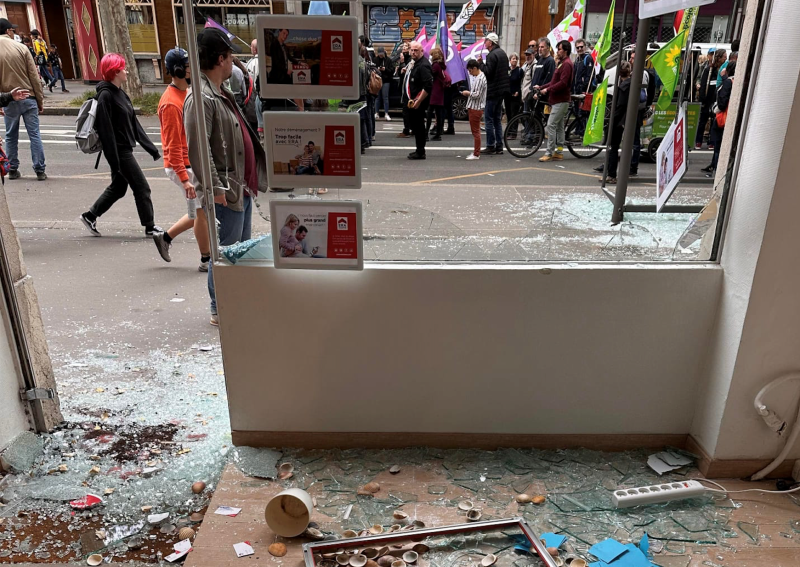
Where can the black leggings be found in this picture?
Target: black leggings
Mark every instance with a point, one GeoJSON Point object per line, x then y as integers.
{"type": "Point", "coordinates": [437, 109]}
{"type": "Point", "coordinates": [129, 174]}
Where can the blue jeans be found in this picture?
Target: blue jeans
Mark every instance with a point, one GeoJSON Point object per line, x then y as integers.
{"type": "Point", "coordinates": [45, 73]}
{"type": "Point", "coordinates": [59, 74]}
{"type": "Point", "coordinates": [259, 113]}
{"type": "Point", "coordinates": [493, 116]}
{"type": "Point", "coordinates": [29, 111]}
{"type": "Point", "coordinates": [233, 227]}
{"type": "Point", "coordinates": [383, 99]}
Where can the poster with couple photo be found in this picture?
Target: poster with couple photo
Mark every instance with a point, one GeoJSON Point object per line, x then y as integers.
{"type": "Point", "coordinates": [671, 160]}
{"type": "Point", "coordinates": [307, 57]}
{"type": "Point", "coordinates": [313, 149]}
{"type": "Point", "coordinates": [317, 234]}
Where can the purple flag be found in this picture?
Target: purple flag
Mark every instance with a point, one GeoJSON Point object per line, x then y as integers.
{"type": "Point", "coordinates": [473, 51]}
{"type": "Point", "coordinates": [212, 24]}
{"type": "Point", "coordinates": [455, 66]}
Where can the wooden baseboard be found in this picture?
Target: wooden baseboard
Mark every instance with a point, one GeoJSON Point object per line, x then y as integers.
{"type": "Point", "coordinates": [319, 440]}
{"type": "Point", "coordinates": [734, 468]}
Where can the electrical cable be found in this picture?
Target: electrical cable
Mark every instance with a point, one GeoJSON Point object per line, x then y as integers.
{"type": "Point", "coordinates": [776, 423]}
{"type": "Point", "coordinates": [725, 491]}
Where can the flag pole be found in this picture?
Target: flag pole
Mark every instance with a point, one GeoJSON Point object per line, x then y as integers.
{"type": "Point", "coordinates": [613, 104]}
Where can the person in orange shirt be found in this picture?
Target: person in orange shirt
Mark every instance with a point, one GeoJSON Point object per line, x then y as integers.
{"type": "Point", "coordinates": [176, 158]}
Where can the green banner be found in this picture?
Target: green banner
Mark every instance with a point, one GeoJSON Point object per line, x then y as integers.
{"type": "Point", "coordinates": [663, 119]}
{"type": "Point", "coordinates": [597, 117]}
{"type": "Point", "coordinates": [666, 61]}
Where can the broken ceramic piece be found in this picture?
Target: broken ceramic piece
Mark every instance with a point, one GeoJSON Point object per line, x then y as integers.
{"type": "Point", "coordinates": [465, 505]}
{"type": "Point", "coordinates": [198, 487]}
{"type": "Point", "coordinates": [553, 551]}
{"type": "Point", "coordinates": [94, 559]}
{"type": "Point", "coordinates": [343, 559]}
{"type": "Point", "coordinates": [524, 498]}
{"type": "Point", "coordinates": [474, 515]}
{"type": "Point", "coordinates": [410, 556]}
{"type": "Point", "coordinates": [314, 533]}
{"type": "Point", "coordinates": [418, 524]}
{"type": "Point", "coordinates": [578, 562]}
{"type": "Point", "coordinates": [395, 469]}
{"type": "Point", "coordinates": [385, 560]}
{"type": "Point", "coordinates": [347, 534]}
{"type": "Point", "coordinates": [377, 529]}
{"type": "Point", "coordinates": [197, 517]}
{"type": "Point", "coordinates": [538, 499]}
{"type": "Point", "coordinates": [489, 560]}
{"type": "Point", "coordinates": [372, 487]}
{"type": "Point", "coordinates": [399, 515]}
{"type": "Point", "coordinates": [277, 549]}
{"type": "Point", "coordinates": [421, 548]}
{"type": "Point", "coordinates": [370, 553]}
{"type": "Point", "coordinates": [358, 560]}
{"type": "Point", "coordinates": [398, 563]}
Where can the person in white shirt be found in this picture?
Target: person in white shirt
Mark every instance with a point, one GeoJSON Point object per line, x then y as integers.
{"type": "Point", "coordinates": [476, 102]}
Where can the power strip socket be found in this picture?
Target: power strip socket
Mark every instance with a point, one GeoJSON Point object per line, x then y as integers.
{"type": "Point", "coordinates": [657, 493]}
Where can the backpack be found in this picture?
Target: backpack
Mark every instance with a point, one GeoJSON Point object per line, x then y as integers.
{"type": "Point", "coordinates": [86, 137]}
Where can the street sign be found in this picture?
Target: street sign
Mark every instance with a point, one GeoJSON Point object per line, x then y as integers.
{"type": "Point", "coordinates": [671, 162]}
{"type": "Point", "coordinates": [654, 8]}
{"type": "Point", "coordinates": [313, 149]}
{"type": "Point", "coordinates": [308, 57]}
{"type": "Point", "coordinates": [321, 235]}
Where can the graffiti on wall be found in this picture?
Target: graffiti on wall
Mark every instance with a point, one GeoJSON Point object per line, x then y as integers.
{"type": "Point", "coordinates": [391, 24]}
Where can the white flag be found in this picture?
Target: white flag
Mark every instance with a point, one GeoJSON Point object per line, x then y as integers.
{"type": "Point", "coordinates": [467, 10]}
{"type": "Point", "coordinates": [570, 28]}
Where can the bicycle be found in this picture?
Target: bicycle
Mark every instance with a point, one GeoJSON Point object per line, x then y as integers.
{"type": "Point", "coordinates": [531, 124]}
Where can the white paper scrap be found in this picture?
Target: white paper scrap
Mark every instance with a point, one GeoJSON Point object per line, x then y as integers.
{"type": "Point", "coordinates": [227, 511]}
{"type": "Point", "coordinates": [183, 545]}
{"type": "Point", "coordinates": [658, 465]}
{"type": "Point", "coordinates": [243, 549]}
{"type": "Point", "coordinates": [674, 459]}
{"type": "Point", "coordinates": [157, 518]}
{"type": "Point", "coordinates": [177, 555]}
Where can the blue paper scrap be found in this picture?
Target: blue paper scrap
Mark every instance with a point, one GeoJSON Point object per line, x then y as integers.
{"type": "Point", "coordinates": [633, 557]}
{"type": "Point", "coordinates": [644, 545]}
{"type": "Point", "coordinates": [608, 550]}
{"type": "Point", "coordinates": [553, 540]}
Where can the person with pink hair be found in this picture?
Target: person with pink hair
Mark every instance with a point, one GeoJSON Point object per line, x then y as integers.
{"type": "Point", "coordinates": [119, 132]}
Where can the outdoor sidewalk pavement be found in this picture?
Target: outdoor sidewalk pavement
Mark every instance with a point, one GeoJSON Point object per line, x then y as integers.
{"type": "Point", "coordinates": [57, 103]}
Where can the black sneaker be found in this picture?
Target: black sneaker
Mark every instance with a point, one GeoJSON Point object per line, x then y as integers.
{"type": "Point", "coordinates": [151, 230]}
{"type": "Point", "coordinates": [600, 168]}
{"type": "Point", "coordinates": [162, 245]}
{"type": "Point", "coordinates": [436, 139]}
{"type": "Point", "coordinates": [633, 173]}
{"type": "Point", "coordinates": [14, 174]}
{"type": "Point", "coordinates": [450, 133]}
{"type": "Point", "coordinates": [41, 176]}
{"type": "Point", "coordinates": [415, 155]}
{"type": "Point", "coordinates": [488, 151]}
{"type": "Point", "coordinates": [498, 151]}
{"type": "Point", "coordinates": [91, 226]}
{"type": "Point", "coordinates": [708, 169]}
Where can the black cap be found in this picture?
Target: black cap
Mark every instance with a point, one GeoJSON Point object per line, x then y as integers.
{"type": "Point", "coordinates": [5, 25]}
{"type": "Point", "coordinates": [176, 56]}
{"type": "Point", "coordinates": [216, 41]}
{"type": "Point", "coordinates": [530, 51]}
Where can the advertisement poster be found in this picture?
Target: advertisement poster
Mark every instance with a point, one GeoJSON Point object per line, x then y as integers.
{"type": "Point", "coordinates": [308, 56]}
{"type": "Point", "coordinates": [671, 163]}
{"type": "Point", "coordinates": [313, 149]}
{"type": "Point", "coordinates": [654, 8]}
{"type": "Point", "coordinates": [317, 234]}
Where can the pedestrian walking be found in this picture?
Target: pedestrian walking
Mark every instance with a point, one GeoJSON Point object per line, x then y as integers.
{"type": "Point", "coordinates": [497, 87]}
{"type": "Point", "coordinates": [440, 84]}
{"type": "Point", "coordinates": [721, 116]}
{"type": "Point", "coordinates": [558, 91]}
{"type": "Point", "coordinates": [386, 68]}
{"type": "Point", "coordinates": [476, 102]}
{"type": "Point", "coordinates": [253, 69]}
{"type": "Point", "coordinates": [119, 132]}
{"type": "Point", "coordinates": [365, 114]}
{"type": "Point", "coordinates": [582, 81]}
{"type": "Point", "coordinates": [617, 128]}
{"type": "Point", "coordinates": [420, 85]}
{"type": "Point", "coordinates": [176, 159]}
{"type": "Point", "coordinates": [707, 93]}
{"type": "Point", "coordinates": [405, 66]}
{"type": "Point", "coordinates": [17, 69]}
{"type": "Point", "coordinates": [54, 60]}
{"type": "Point", "coordinates": [513, 100]}
{"type": "Point", "coordinates": [40, 53]}
{"type": "Point", "coordinates": [238, 162]}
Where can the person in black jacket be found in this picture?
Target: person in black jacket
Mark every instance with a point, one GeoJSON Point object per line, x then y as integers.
{"type": "Point", "coordinates": [386, 68]}
{"type": "Point", "coordinates": [119, 131]}
{"type": "Point", "coordinates": [717, 131]}
{"type": "Point", "coordinates": [581, 82]}
{"type": "Point", "coordinates": [541, 72]}
{"type": "Point", "coordinates": [707, 93]}
{"type": "Point", "coordinates": [514, 97]}
{"type": "Point", "coordinates": [617, 128]}
{"type": "Point", "coordinates": [497, 87]}
{"type": "Point", "coordinates": [420, 86]}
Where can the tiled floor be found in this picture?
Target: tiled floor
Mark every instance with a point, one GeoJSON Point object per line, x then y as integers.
{"type": "Point", "coordinates": [775, 515]}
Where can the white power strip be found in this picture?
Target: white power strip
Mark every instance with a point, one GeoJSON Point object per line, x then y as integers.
{"type": "Point", "coordinates": [657, 493]}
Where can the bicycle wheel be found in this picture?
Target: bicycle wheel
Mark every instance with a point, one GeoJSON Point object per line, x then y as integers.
{"type": "Point", "coordinates": [574, 142]}
{"type": "Point", "coordinates": [523, 135]}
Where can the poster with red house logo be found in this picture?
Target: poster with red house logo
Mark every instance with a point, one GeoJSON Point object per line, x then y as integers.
{"type": "Point", "coordinates": [671, 160]}
{"type": "Point", "coordinates": [317, 234]}
{"type": "Point", "coordinates": [308, 57]}
{"type": "Point", "coordinates": [307, 150]}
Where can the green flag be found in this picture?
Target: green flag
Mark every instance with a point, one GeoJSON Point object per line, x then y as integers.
{"type": "Point", "coordinates": [667, 61]}
{"type": "Point", "coordinates": [603, 45]}
{"type": "Point", "coordinates": [597, 117]}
